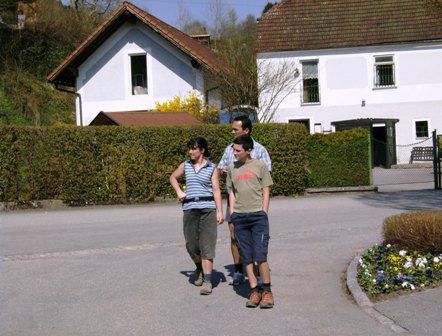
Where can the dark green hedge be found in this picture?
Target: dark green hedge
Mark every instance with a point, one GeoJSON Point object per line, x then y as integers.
{"type": "Point", "coordinates": [340, 159]}
{"type": "Point", "coordinates": [133, 164]}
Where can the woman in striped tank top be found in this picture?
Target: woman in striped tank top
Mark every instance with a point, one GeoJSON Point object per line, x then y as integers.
{"type": "Point", "coordinates": [202, 209]}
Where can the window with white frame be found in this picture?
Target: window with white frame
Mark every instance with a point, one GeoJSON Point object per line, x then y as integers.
{"type": "Point", "coordinates": [310, 82]}
{"type": "Point", "coordinates": [421, 129]}
{"type": "Point", "coordinates": [138, 69]}
{"type": "Point", "coordinates": [384, 76]}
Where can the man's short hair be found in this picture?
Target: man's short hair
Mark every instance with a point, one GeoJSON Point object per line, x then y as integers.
{"type": "Point", "coordinates": [245, 122]}
{"type": "Point", "coordinates": [245, 140]}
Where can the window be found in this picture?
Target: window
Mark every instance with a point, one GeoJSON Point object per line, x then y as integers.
{"type": "Point", "coordinates": [421, 127]}
{"type": "Point", "coordinates": [310, 82]}
{"type": "Point", "coordinates": [384, 72]}
{"type": "Point", "coordinates": [138, 70]}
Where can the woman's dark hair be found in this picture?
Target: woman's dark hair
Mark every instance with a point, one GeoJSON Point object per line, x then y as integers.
{"type": "Point", "coordinates": [200, 143]}
{"type": "Point", "coordinates": [245, 140]}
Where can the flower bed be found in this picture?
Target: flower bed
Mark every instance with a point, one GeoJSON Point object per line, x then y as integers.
{"type": "Point", "coordinates": [384, 270]}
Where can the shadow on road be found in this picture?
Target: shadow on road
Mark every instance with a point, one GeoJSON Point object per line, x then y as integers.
{"type": "Point", "coordinates": [405, 200]}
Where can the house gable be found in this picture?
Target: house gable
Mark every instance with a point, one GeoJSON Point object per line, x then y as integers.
{"type": "Point", "coordinates": [65, 74]}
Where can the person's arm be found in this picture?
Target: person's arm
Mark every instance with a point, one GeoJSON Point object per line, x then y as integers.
{"type": "Point", "coordinates": [223, 165]}
{"type": "Point", "coordinates": [232, 199]}
{"type": "Point", "coordinates": [266, 199]}
{"type": "Point", "coordinates": [174, 182]}
{"type": "Point", "coordinates": [217, 196]}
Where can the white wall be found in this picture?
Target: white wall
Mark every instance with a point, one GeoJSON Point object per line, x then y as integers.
{"type": "Point", "coordinates": [104, 80]}
{"type": "Point", "coordinates": [346, 78]}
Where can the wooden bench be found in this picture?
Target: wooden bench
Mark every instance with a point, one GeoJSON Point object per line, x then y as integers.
{"type": "Point", "coordinates": [421, 154]}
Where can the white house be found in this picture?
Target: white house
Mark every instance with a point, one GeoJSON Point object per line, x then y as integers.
{"type": "Point", "coordinates": [132, 61]}
{"type": "Point", "coordinates": [375, 64]}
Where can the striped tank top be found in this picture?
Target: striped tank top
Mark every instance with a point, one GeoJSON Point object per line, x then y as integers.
{"type": "Point", "coordinates": [199, 184]}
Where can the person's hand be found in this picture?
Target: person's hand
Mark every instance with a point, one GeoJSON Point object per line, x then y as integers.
{"type": "Point", "coordinates": [219, 217]}
{"type": "Point", "coordinates": [181, 196]}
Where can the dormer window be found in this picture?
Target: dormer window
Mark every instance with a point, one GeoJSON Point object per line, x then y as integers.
{"type": "Point", "coordinates": [138, 68]}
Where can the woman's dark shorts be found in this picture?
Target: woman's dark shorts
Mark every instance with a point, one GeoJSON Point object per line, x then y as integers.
{"type": "Point", "coordinates": [200, 232]}
{"type": "Point", "coordinates": [252, 235]}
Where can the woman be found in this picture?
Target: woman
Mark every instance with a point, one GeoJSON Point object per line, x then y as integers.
{"type": "Point", "coordinates": [202, 209]}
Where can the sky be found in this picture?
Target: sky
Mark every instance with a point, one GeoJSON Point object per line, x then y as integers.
{"type": "Point", "coordinates": [167, 10]}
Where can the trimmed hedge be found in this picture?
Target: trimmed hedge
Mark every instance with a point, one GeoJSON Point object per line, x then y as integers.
{"type": "Point", "coordinates": [340, 159]}
{"type": "Point", "coordinates": [132, 164]}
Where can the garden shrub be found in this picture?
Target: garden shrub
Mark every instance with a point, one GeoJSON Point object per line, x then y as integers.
{"type": "Point", "coordinates": [415, 231]}
{"type": "Point", "coordinates": [339, 159]}
{"type": "Point", "coordinates": [84, 165]}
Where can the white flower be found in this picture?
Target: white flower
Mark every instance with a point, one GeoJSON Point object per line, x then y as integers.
{"type": "Point", "coordinates": [421, 262]}
{"type": "Point", "coordinates": [388, 245]}
{"type": "Point", "coordinates": [412, 287]}
{"type": "Point", "coordinates": [436, 260]}
{"type": "Point", "coordinates": [402, 253]}
{"type": "Point", "coordinates": [408, 264]}
{"type": "Point", "coordinates": [405, 284]}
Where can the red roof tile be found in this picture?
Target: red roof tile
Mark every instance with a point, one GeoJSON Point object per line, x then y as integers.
{"type": "Point", "coordinates": [144, 118]}
{"type": "Point", "coordinates": [64, 74]}
{"type": "Point", "coordinates": [320, 24]}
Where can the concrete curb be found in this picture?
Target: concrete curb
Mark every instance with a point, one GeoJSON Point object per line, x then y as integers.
{"type": "Point", "coordinates": [364, 302]}
{"type": "Point", "coordinates": [341, 189]}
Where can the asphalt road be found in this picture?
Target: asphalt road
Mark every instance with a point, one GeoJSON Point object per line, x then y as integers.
{"type": "Point", "coordinates": [123, 270]}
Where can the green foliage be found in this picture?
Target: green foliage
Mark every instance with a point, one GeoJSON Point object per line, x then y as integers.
{"type": "Point", "coordinates": [26, 100]}
{"type": "Point", "coordinates": [417, 231]}
{"type": "Point", "coordinates": [133, 164]}
{"type": "Point", "coordinates": [126, 164]}
{"type": "Point", "coordinates": [51, 32]}
{"type": "Point", "coordinates": [339, 159]}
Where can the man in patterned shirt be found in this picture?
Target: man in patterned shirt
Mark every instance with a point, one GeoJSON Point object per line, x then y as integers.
{"type": "Point", "coordinates": [241, 125]}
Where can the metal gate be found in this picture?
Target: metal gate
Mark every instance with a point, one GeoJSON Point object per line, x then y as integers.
{"type": "Point", "coordinates": [436, 160]}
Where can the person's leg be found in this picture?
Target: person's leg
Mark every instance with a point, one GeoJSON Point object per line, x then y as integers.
{"type": "Point", "coordinates": [190, 230]}
{"type": "Point", "coordinates": [238, 273]}
{"type": "Point", "coordinates": [208, 229]}
{"type": "Point", "coordinates": [261, 238]}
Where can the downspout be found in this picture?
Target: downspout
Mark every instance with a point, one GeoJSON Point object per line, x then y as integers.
{"type": "Point", "coordinates": [79, 98]}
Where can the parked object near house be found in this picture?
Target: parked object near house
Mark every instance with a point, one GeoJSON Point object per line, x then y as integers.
{"type": "Point", "coordinates": [134, 60]}
{"type": "Point", "coordinates": [373, 64]}
{"type": "Point", "coordinates": [144, 118]}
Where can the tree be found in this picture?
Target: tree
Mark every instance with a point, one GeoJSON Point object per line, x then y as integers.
{"type": "Point", "coordinates": [217, 13]}
{"type": "Point", "coordinates": [268, 6]}
{"type": "Point", "coordinates": [95, 8]}
{"type": "Point", "coordinates": [195, 27]}
{"type": "Point", "coordinates": [276, 80]}
{"type": "Point", "coordinates": [258, 86]}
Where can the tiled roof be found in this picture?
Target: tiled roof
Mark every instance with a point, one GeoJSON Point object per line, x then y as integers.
{"type": "Point", "coordinates": [323, 24]}
{"type": "Point", "coordinates": [65, 73]}
{"type": "Point", "coordinates": [144, 118]}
